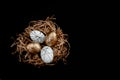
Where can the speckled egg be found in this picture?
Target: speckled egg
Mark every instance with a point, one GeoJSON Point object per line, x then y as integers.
{"type": "Point", "coordinates": [37, 36]}
{"type": "Point", "coordinates": [47, 54]}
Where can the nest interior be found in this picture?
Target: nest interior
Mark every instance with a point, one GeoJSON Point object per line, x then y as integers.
{"type": "Point", "coordinates": [61, 48]}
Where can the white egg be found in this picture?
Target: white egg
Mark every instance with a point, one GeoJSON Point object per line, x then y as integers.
{"type": "Point", "coordinates": [37, 36]}
{"type": "Point", "coordinates": [47, 54]}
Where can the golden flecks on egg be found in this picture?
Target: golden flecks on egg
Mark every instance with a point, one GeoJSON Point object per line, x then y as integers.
{"type": "Point", "coordinates": [33, 47]}
{"type": "Point", "coordinates": [51, 39]}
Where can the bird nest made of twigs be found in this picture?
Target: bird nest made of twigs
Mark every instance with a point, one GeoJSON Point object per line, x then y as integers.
{"type": "Point", "coordinates": [42, 43]}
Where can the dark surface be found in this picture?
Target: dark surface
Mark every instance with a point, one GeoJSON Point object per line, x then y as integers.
{"type": "Point", "coordinates": [73, 21]}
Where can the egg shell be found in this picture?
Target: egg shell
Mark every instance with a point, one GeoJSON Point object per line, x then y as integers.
{"type": "Point", "coordinates": [37, 36]}
{"type": "Point", "coordinates": [47, 54]}
{"type": "Point", "coordinates": [51, 39]}
{"type": "Point", "coordinates": [33, 47]}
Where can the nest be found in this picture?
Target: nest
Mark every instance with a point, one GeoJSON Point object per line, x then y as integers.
{"type": "Point", "coordinates": [61, 48]}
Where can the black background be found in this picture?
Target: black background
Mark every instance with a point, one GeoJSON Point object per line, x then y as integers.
{"type": "Point", "coordinates": [74, 19]}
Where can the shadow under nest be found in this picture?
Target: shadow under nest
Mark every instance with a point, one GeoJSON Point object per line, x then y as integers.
{"type": "Point", "coordinates": [61, 48]}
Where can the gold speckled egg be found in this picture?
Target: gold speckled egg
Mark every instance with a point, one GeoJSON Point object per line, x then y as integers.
{"type": "Point", "coordinates": [51, 39]}
{"type": "Point", "coordinates": [33, 47]}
